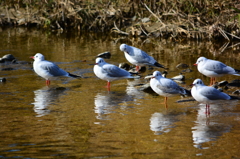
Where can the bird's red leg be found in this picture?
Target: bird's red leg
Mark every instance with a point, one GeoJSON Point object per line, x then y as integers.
{"type": "Point", "coordinates": [137, 68]}
{"type": "Point", "coordinates": [210, 81]}
{"type": "Point", "coordinates": [47, 82]}
{"type": "Point", "coordinates": [208, 109]}
{"type": "Point", "coordinates": [214, 80]}
{"type": "Point", "coordinates": [207, 112]}
{"type": "Point", "coordinates": [108, 86]}
{"type": "Point", "coordinates": [165, 102]}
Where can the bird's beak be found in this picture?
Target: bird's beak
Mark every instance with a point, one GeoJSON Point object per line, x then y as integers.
{"type": "Point", "coordinates": [32, 57]}
{"type": "Point", "coordinates": [195, 64]}
{"type": "Point", "coordinates": [150, 76]}
{"type": "Point", "coordinates": [96, 63]}
{"type": "Point", "coordinates": [191, 85]}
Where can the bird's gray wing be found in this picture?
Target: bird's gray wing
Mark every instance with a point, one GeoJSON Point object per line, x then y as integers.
{"type": "Point", "coordinates": [141, 56]}
{"type": "Point", "coordinates": [115, 71]}
{"type": "Point", "coordinates": [169, 86]}
{"type": "Point", "coordinates": [52, 68]}
{"type": "Point", "coordinates": [216, 66]}
{"type": "Point", "coordinates": [212, 93]}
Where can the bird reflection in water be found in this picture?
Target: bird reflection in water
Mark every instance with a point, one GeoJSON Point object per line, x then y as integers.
{"type": "Point", "coordinates": [44, 97]}
{"type": "Point", "coordinates": [206, 130]}
{"type": "Point", "coordinates": [162, 123]}
{"type": "Point", "coordinates": [107, 103]}
{"type": "Point", "coordinates": [132, 90]}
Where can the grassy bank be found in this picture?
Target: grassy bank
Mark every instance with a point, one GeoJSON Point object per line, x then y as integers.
{"type": "Point", "coordinates": [151, 18]}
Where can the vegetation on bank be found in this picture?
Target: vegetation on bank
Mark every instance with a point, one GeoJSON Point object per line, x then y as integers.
{"type": "Point", "coordinates": [177, 19]}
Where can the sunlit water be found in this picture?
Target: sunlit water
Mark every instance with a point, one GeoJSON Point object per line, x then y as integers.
{"type": "Point", "coordinates": [79, 118]}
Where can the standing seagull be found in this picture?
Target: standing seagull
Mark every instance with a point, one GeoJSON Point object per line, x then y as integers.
{"type": "Point", "coordinates": [212, 68]}
{"type": "Point", "coordinates": [47, 69]}
{"type": "Point", "coordinates": [109, 72]}
{"type": "Point", "coordinates": [207, 95]}
{"type": "Point", "coordinates": [138, 57]}
{"type": "Point", "coordinates": [165, 87]}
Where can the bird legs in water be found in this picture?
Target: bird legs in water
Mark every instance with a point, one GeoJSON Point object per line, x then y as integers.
{"type": "Point", "coordinates": [47, 82]}
{"type": "Point", "coordinates": [165, 102]}
{"type": "Point", "coordinates": [108, 86]}
{"type": "Point", "coordinates": [207, 112]}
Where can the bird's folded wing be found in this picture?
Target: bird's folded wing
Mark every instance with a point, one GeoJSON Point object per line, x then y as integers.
{"type": "Point", "coordinates": [115, 71]}
{"type": "Point", "coordinates": [53, 69]}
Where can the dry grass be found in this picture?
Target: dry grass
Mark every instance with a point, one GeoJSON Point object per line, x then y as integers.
{"type": "Point", "coordinates": [166, 18]}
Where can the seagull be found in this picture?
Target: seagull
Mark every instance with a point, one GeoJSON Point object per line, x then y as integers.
{"type": "Point", "coordinates": [207, 95]}
{"type": "Point", "coordinates": [138, 57]}
{"type": "Point", "coordinates": [165, 87]}
{"type": "Point", "coordinates": [213, 68]}
{"type": "Point", "coordinates": [47, 69]}
{"type": "Point", "coordinates": [109, 72]}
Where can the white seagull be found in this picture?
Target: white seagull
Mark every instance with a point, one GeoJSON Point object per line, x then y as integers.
{"type": "Point", "coordinates": [109, 72]}
{"type": "Point", "coordinates": [47, 69]}
{"type": "Point", "coordinates": [165, 87]}
{"type": "Point", "coordinates": [213, 68]}
{"type": "Point", "coordinates": [207, 95]}
{"type": "Point", "coordinates": [138, 57]}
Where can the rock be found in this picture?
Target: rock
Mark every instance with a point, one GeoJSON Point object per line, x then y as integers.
{"type": "Point", "coordinates": [7, 69]}
{"type": "Point", "coordinates": [2, 79]}
{"type": "Point", "coordinates": [2, 60]}
{"type": "Point", "coordinates": [215, 86]}
{"type": "Point", "coordinates": [105, 55]}
{"type": "Point", "coordinates": [8, 57]}
{"type": "Point", "coordinates": [234, 83]}
{"type": "Point", "coordinates": [237, 92]}
{"type": "Point", "coordinates": [164, 74]}
{"type": "Point", "coordinates": [187, 70]}
{"type": "Point", "coordinates": [180, 77]}
{"type": "Point", "coordinates": [124, 66]}
{"type": "Point", "coordinates": [182, 66]}
{"type": "Point", "coordinates": [222, 83]}
{"type": "Point", "coordinates": [146, 88]}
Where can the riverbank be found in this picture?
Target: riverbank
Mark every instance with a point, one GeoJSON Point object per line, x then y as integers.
{"type": "Point", "coordinates": [187, 19]}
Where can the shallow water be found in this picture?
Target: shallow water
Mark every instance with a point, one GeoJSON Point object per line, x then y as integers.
{"type": "Point", "coordinates": [79, 118]}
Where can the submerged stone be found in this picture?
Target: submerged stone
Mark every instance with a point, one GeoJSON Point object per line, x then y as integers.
{"type": "Point", "coordinates": [124, 66]}
{"type": "Point", "coordinates": [105, 55]}
{"type": "Point", "coordinates": [2, 79]}
{"type": "Point", "coordinates": [8, 57]}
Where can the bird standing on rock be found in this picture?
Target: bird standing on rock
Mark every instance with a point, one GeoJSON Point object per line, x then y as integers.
{"type": "Point", "coordinates": [48, 70]}
{"type": "Point", "coordinates": [213, 69]}
{"type": "Point", "coordinates": [138, 57]}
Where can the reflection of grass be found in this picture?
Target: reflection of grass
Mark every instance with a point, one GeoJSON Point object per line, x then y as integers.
{"type": "Point", "coordinates": [187, 16]}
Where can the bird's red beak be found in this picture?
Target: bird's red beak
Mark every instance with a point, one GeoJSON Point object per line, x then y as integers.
{"type": "Point", "coordinates": [32, 57]}
{"type": "Point", "coordinates": [195, 64]}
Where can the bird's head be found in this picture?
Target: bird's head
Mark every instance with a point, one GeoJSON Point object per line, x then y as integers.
{"type": "Point", "coordinates": [200, 60]}
{"type": "Point", "coordinates": [99, 61]}
{"type": "Point", "coordinates": [197, 82]}
{"type": "Point", "coordinates": [38, 57]}
{"type": "Point", "coordinates": [125, 48]}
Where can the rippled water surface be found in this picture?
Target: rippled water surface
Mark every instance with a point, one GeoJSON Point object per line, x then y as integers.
{"type": "Point", "coordinates": [79, 118]}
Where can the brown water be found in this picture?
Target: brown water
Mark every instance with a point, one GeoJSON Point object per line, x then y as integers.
{"type": "Point", "coordinates": [80, 119]}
